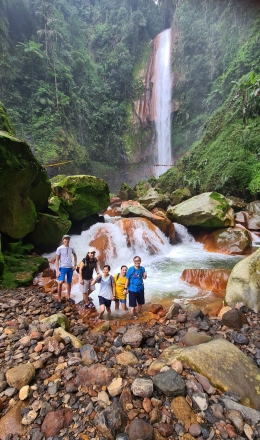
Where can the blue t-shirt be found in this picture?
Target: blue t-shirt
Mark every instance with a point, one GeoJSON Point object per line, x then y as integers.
{"type": "Point", "coordinates": [135, 277]}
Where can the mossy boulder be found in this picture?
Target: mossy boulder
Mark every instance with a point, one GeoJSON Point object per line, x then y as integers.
{"type": "Point", "coordinates": [208, 210]}
{"type": "Point", "coordinates": [24, 187]}
{"type": "Point", "coordinates": [14, 247]}
{"type": "Point", "coordinates": [244, 283]}
{"type": "Point", "coordinates": [59, 318]}
{"type": "Point", "coordinates": [153, 199]}
{"type": "Point", "coordinates": [56, 207]}
{"type": "Point", "coordinates": [19, 269]}
{"type": "Point", "coordinates": [179, 195]}
{"type": "Point", "coordinates": [82, 195]}
{"type": "Point", "coordinates": [48, 232]}
{"type": "Point", "coordinates": [141, 188]}
{"type": "Point", "coordinates": [5, 124]}
{"type": "Point", "coordinates": [126, 192]}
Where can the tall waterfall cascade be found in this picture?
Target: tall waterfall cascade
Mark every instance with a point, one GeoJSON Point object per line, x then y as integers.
{"type": "Point", "coordinates": [162, 100]}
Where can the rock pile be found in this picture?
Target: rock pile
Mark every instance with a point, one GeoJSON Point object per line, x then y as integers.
{"type": "Point", "coordinates": [63, 377]}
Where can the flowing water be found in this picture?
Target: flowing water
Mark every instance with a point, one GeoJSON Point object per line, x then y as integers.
{"type": "Point", "coordinates": [164, 268]}
{"type": "Point", "coordinates": [163, 89]}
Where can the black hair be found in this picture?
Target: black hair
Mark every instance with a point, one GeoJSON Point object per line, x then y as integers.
{"type": "Point", "coordinates": [107, 265]}
{"type": "Point", "coordinates": [137, 257]}
{"type": "Point", "coordinates": [123, 266]}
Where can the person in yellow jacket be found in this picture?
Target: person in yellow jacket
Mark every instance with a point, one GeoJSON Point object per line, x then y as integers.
{"type": "Point", "coordinates": [120, 296]}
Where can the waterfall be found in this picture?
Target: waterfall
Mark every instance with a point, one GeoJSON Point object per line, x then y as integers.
{"type": "Point", "coordinates": [162, 101]}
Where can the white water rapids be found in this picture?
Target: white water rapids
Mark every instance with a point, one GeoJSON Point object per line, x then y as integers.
{"type": "Point", "coordinates": [164, 268]}
{"type": "Point", "coordinates": [163, 90]}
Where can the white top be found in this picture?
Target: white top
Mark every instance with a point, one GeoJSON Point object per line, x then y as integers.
{"type": "Point", "coordinates": [106, 290]}
{"type": "Point", "coordinates": [65, 253]}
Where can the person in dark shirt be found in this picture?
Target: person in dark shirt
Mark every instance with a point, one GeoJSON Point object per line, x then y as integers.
{"type": "Point", "coordinates": [86, 269]}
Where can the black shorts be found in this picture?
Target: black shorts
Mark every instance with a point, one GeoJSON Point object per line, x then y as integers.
{"type": "Point", "coordinates": [106, 302]}
{"type": "Point", "coordinates": [136, 298]}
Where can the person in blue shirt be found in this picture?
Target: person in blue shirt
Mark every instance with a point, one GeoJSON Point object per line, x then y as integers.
{"type": "Point", "coordinates": [134, 285]}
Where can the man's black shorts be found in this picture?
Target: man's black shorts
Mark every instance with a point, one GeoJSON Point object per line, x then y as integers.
{"type": "Point", "coordinates": [136, 298]}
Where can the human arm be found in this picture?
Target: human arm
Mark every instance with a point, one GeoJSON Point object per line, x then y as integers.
{"type": "Point", "coordinates": [96, 269]}
{"type": "Point", "coordinates": [75, 260]}
{"type": "Point", "coordinates": [96, 280]}
{"type": "Point", "coordinates": [81, 265]}
{"type": "Point", "coordinates": [144, 274]}
{"type": "Point", "coordinates": [57, 262]}
{"type": "Point", "coordinates": [113, 287]}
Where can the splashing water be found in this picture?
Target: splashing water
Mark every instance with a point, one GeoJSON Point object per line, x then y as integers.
{"type": "Point", "coordinates": [163, 268]}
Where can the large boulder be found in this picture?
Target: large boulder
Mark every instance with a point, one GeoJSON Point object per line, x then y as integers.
{"type": "Point", "coordinates": [226, 367]}
{"type": "Point", "coordinates": [179, 195]}
{"type": "Point", "coordinates": [164, 224]}
{"type": "Point", "coordinates": [153, 199]}
{"type": "Point", "coordinates": [48, 232]}
{"type": "Point", "coordinates": [228, 241]}
{"type": "Point", "coordinates": [244, 283]}
{"type": "Point", "coordinates": [82, 195]}
{"type": "Point", "coordinates": [208, 210]}
{"type": "Point", "coordinates": [126, 192]}
{"type": "Point", "coordinates": [24, 186]}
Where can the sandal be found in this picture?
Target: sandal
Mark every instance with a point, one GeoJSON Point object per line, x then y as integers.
{"type": "Point", "coordinates": [57, 305]}
{"type": "Point", "coordinates": [89, 306]}
{"type": "Point", "coordinates": [70, 300]}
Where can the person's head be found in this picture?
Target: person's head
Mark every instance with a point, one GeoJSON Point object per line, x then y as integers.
{"type": "Point", "coordinates": [123, 270]}
{"type": "Point", "coordinates": [106, 269]}
{"type": "Point", "coordinates": [91, 253]}
{"type": "Point", "coordinates": [137, 261]}
{"type": "Point", "coordinates": [66, 240]}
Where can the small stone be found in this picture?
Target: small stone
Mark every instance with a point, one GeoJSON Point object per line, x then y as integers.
{"type": "Point", "coordinates": [9, 392]}
{"type": "Point", "coordinates": [21, 375]}
{"type": "Point", "coordinates": [147, 404]}
{"type": "Point", "coordinates": [24, 392]}
{"type": "Point", "coordinates": [132, 337]}
{"type": "Point", "coordinates": [165, 429]}
{"type": "Point", "coordinates": [115, 387]}
{"type": "Point", "coordinates": [248, 431]}
{"type": "Point", "coordinates": [132, 414]}
{"type": "Point", "coordinates": [142, 387]}
{"type": "Point", "coordinates": [126, 358]}
{"type": "Point", "coordinates": [169, 383]}
{"type": "Point", "coordinates": [103, 399]}
{"type": "Point", "coordinates": [201, 400]}
{"type": "Point", "coordinates": [122, 436]}
{"type": "Point", "coordinates": [29, 417]}
{"type": "Point", "coordinates": [182, 317]}
{"type": "Point", "coordinates": [236, 418]}
{"type": "Point", "coordinates": [194, 430]}
{"type": "Point", "coordinates": [139, 429]}
{"type": "Point", "coordinates": [177, 366]}
{"type": "Point", "coordinates": [241, 339]}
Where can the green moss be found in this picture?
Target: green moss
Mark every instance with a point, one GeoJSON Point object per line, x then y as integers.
{"type": "Point", "coordinates": [48, 232]}
{"type": "Point", "coordinates": [20, 269]}
{"type": "Point", "coordinates": [5, 123]}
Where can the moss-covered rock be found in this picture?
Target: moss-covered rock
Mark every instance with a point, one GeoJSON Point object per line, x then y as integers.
{"type": "Point", "coordinates": [19, 269]}
{"type": "Point", "coordinates": [82, 195]}
{"type": "Point", "coordinates": [48, 232]}
{"type": "Point", "coordinates": [208, 210]}
{"type": "Point", "coordinates": [141, 188]}
{"type": "Point", "coordinates": [59, 318]}
{"type": "Point", "coordinates": [24, 187]}
{"type": "Point", "coordinates": [56, 207]}
{"type": "Point", "coordinates": [5, 124]}
{"type": "Point", "coordinates": [126, 192]}
{"type": "Point", "coordinates": [179, 195]}
{"type": "Point", "coordinates": [152, 199]}
{"type": "Point", "coordinates": [15, 247]}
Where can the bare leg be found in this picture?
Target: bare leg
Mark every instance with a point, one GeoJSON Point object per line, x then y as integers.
{"type": "Point", "coordinates": [138, 308]}
{"type": "Point", "coordinates": [85, 297]}
{"type": "Point", "coordinates": [68, 289]}
{"type": "Point", "coordinates": [124, 306]}
{"type": "Point", "coordinates": [116, 304]}
{"type": "Point", "coordinates": [101, 310]}
{"type": "Point", "coordinates": [108, 310]}
{"type": "Point", "coordinates": [132, 310]}
{"type": "Point", "coordinates": [59, 290]}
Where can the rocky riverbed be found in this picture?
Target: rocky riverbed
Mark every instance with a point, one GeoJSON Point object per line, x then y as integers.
{"type": "Point", "coordinates": [170, 374]}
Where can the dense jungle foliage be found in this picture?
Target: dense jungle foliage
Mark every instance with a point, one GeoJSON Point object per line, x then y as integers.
{"type": "Point", "coordinates": [66, 74]}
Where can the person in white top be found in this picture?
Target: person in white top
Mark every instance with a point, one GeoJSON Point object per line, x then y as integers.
{"type": "Point", "coordinates": [107, 290]}
{"type": "Point", "coordinates": [64, 267]}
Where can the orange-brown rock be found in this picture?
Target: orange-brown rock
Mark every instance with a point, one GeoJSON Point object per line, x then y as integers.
{"type": "Point", "coordinates": [214, 280]}
{"type": "Point", "coordinates": [235, 240]}
{"type": "Point", "coordinates": [103, 239]}
{"type": "Point", "coordinates": [113, 212]}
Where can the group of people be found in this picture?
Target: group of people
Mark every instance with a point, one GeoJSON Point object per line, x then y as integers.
{"type": "Point", "coordinates": [112, 288]}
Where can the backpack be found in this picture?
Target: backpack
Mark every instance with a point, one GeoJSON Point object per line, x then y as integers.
{"type": "Point", "coordinates": [85, 261]}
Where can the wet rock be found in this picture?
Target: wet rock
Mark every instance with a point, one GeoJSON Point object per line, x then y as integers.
{"type": "Point", "coordinates": [234, 318]}
{"type": "Point", "coordinates": [173, 311]}
{"type": "Point", "coordinates": [55, 421]}
{"type": "Point", "coordinates": [126, 358]}
{"type": "Point", "coordinates": [96, 374]}
{"type": "Point", "coordinates": [142, 387]}
{"type": "Point", "coordinates": [139, 429]}
{"type": "Point", "coordinates": [20, 375]}
{"type": "Point", "coordinates": [110, 421]}
{"type": "Point", "coordinates": [155, 308]}
{"type": "Point", "coordinates": [169, 383]}
{"type": "Point", "coordinates": [132, 337]}
{"type": "Point", "coordinates": [183, 411]}
{"type": "Point", "coordinates": [88, 355]}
